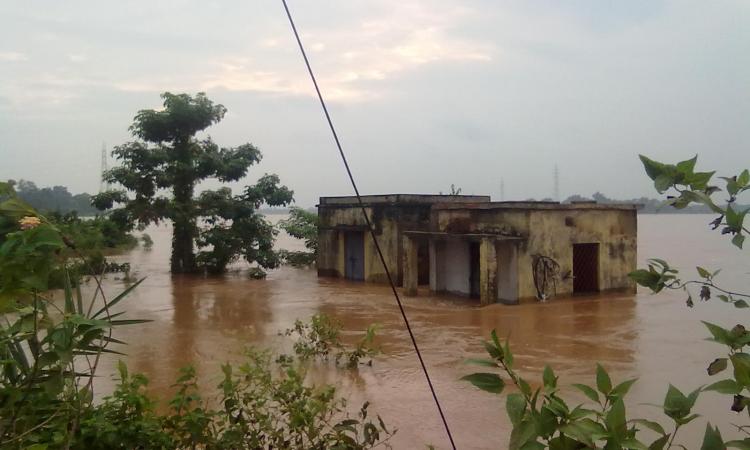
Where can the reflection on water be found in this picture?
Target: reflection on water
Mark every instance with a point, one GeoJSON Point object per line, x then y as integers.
{"type": "Point", "coordinates": [207, 321]}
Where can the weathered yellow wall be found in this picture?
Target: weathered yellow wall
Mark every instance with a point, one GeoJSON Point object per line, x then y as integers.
{"type": "Point", "coordinates": [547, 234]}
{"type": "Point", "coordinates": [328, 253]}
{"type": "Point", "coordinates": [614, 230]}
{"type": "Point", "coordinates": [331, 250]}
{"type": "Point", "coordinates": [331, 242]}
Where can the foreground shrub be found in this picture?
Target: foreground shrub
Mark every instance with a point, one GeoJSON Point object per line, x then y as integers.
{"type": "Point", "coordinates": [49, 357]}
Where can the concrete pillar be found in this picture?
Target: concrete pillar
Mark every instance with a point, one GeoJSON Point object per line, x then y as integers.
{"type": "Point", "coordinates": [411, 273]}
{"type": "Point", "coordinates": [487, 272]}
{"type": "Point", "coordinates": [340, 255]}
{"type": "Point", "coordinates": [437, 265]}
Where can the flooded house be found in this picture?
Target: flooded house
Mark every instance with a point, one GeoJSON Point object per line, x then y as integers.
{"type": "Point", "coordinates": [471, 246]}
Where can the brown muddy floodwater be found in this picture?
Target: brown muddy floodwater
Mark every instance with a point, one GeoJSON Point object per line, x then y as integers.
{"type": "Point", "coordinates": [207, 321]}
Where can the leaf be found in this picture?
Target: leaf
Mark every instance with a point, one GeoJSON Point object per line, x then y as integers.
{"type": "Point", "coordinates": [521, 434]}
{"type": "Point", "coordinates": [579, 413]}
{"type": "Point", "coordinates": [742, 445]}
{"type": "Point", "coordinates": [37, 447]}
{"type": "Point", "coordinates": [699, 180]}
{"type": "Point", "coordinates": [495, 352]}
{"type": "Point", "coordinates": [117, 299]}
{"type": "Point", "coordinates": [703, 273]}
{"type": "Point", "coordinates": [633, 444]}
{"type": "Point", "coordinates": [720, 335]}
{"type": "Point", "coordinates": [603, 382]}
{"type": "Point", "coordinates": [645, 278]}
{"type": "Point", "coordinates": [738, 240]}
{"type": "Point", "coordinates": [489, 382]}
{"type": "Point", "coordinates": [741, 364]}
{"type": "Point", "coordinates": [524, 386]}
{"type": "Point", "coordinates": [728, 386]}
{"type": "Point", "coordinates": [676, 404]}
{"type": "Point", "coordinates": [686, 167]}
{"type": "Point", "coordinates": [481, 362]}
{"type": "Point", "coordinates": [508, 355]}
{"type": "Point", "coordinates": [548, 378]}
{"type": "Point", "coordinates": [587, 391]}
{"type": "Point", "coordinates": [712, 439]}
{"type": "Point", "coordinates": [717, 366]}
{"type": "Point", "coordinates": [533, 445]}
{"type": "Point", "coordinates": [515, 405]}
{"type": "Point", "coordinates": [546, 422]}
{"type": "Point", "coordinates": [735, 219]}
{"type": "Point", "coordinates": [744, 178]}
{"type": "Point", "coordinates": [740, 304]}
{"type": "Point", "coordinates": [653, 426]}
{"type": "Point", "coordinates": [623, 388]}
{"type": "Point", "coordinates": [583, 431]}
{"type": "Point", "coordinates": [663, 182]}
{"type": "Point", "coordinates": [615, 419]}
{"type": "Point", "coordinates": [653, 168]}
{"type": "Point", "coordinates": [495, 340]}
{"type": "Point", "coordinates": [115, 323]}
{"type": "Point", "coordinates": [660, 443]}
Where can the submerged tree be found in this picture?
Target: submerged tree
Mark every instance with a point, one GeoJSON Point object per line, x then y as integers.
{"type": "Point", "coordinates": [169, 156]}
{"type": "Point", "coordinates": [301, 224]}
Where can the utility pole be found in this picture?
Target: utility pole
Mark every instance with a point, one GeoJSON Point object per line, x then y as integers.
{"type": "Point", "coordinates": [103, 185]}
{"type": "Point", "coordinates": [557, 184]}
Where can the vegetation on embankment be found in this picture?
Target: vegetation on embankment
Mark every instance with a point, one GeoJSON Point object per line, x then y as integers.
{"type": "Point", "coordinates": [90, 240]}
{"type": "Point", "coordinates": [55, 199]}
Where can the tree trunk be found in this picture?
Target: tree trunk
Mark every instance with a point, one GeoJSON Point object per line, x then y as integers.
{"type": "Point", "coordinates": [183, 215]}
{"type": "Point", "coordinates": [183, 258]}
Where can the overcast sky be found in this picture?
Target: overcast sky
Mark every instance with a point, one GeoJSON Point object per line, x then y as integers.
{"type": "Point", "coordinates": [424, 93]}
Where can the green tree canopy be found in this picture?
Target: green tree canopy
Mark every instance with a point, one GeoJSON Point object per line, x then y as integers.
{"type": "Point", "coordinates": [159, 173]}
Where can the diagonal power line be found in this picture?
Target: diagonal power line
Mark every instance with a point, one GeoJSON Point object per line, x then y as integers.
{"type": "Point", "coordinates": [369, 225]}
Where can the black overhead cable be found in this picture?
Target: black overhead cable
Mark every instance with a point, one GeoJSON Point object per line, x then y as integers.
{"type": "Point", "coordinates": [369, 226]}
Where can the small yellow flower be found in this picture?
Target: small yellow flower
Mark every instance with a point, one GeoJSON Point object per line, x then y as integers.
{"type": "Point", "coordinates": [29, 222]}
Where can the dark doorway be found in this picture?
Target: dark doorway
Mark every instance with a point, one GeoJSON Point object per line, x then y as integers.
{"type": "Point", "coordinates": [423, 263]}
{"type": "Point", "coordinates": [585, 268]}
{"type": "Point", "coordinates": [474, 269]}
{"type": "Point", "coordinates": [354, 255]}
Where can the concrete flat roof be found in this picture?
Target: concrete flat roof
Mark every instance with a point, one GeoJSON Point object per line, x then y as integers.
{"type": "Point", "coordinates": [539, 206]}
{"type": "Point", "coordinates": [469, 202]}
{"type": "Point", "coordinates": [426, 199]}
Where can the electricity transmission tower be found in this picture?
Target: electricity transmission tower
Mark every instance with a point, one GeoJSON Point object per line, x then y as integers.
{"type": "Point", "coordinates": [103, 185]}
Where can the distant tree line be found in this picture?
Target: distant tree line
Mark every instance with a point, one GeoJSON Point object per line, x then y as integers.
{"type": "Point", "coordinates": [649, 205]}
{"type": "Point", "coordinates": [56, 198]}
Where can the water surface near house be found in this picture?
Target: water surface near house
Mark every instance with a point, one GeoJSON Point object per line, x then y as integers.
{"type": "Point", "coordinates": [207, 321]}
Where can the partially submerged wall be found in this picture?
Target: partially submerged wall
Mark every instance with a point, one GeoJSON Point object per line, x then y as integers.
{"type": "Point", "coordinates": [389, 221]}
{"type": "Point", "coordinates": [551, 232]}
{"type": "Point", "coordinates": [521, 230]}
{"type": "Point", "coordinates": [456, 268]}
